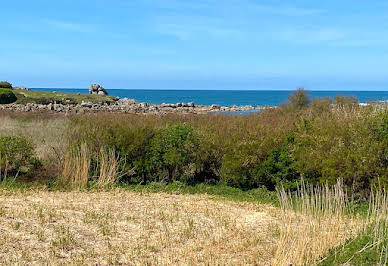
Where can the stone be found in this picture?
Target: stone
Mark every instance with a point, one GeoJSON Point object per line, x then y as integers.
{"type": "Point", "coordinates": [21, 88]}
{"type": "Point", "coordinates": [97, 89]}
{"type": "Point", "coordinates": [86, 104]}
{"type": "Point", "coordinates": [126, 101]}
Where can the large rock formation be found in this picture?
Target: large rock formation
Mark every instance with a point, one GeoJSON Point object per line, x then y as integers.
{"type": "Point", "coordinates": [97, 89]}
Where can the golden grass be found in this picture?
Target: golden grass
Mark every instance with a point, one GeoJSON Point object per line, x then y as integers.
{"type": "Point", "coordinates": [109, 172]}
{"type": "Point", "coordinates": [47, 134]}
{"type": "Point", "coordinates": [378, 223]}
{"type": "Point", "coordinates": [314, 221]}
{"type": "Point", "coordinates": [76, 167]}
{"type": "Point", "coordinates": [118, 227]}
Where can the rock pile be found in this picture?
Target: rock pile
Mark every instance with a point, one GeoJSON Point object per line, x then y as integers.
{"type": "Point", "coordinates": [97, 89]}
{"type": "Point", "coordinates": [21, 88]}
{"type": "Point", "coordinates": [124, 105]}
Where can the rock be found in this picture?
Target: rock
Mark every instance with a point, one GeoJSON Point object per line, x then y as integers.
{"type": "Point", "coordinates": [179, 104]}
{"type": "Point", "coordinates": [191, 104]}
{"type": "Point", "coordinates": [86, 104]}
{"type": "Point", "coordinates": [21, 88]}
{"type": "Point", "coordinates": [97, 89]}
{"type": "Point", "coordinates": [215, 107]}
{"type": "Point", "coordinates": [126, 101]}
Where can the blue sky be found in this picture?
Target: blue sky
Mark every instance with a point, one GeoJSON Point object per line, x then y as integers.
{"type": "Point", "coordinates": [201, 44]}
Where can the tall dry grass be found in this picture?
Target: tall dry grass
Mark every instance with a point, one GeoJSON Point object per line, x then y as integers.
{"type": "Point", "coordinates": [109, 172]}
{"type": "Point", "coordinates": [314, 221]}
{"type": "Point", "coordinates": [77, 170]}
{"type": "Point", "coordinates": [76, 167]}
{"type": "Point", "coordinates": [377, 223]}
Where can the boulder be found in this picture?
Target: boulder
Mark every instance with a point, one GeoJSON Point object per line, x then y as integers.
{"type": "Point", "coordinates": [86, 104]}
{"type": "Point", "coordinates": [215, 107]}
{"type": "Point", "coordinates": [97, 89]}
{"type": "Point", "coordinates": [126, 101]}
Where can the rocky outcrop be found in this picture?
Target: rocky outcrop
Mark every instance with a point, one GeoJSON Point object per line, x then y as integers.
{"type": "Point", "coordinates": [97, 89]}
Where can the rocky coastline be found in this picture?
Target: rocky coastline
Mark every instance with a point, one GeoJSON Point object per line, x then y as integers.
{"type": "Point", "coordinates": [126, 105]}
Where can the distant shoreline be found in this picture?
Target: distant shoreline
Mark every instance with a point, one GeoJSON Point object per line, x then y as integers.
{"type": "Point", "coordinates": [224, 97]}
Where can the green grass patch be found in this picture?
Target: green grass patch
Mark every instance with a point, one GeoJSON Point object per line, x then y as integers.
{"type": "Point", "coordinates": [261, 195]}
{"type": "Point", "coordinates": [359, 251]}
{"type": "Point", "coordinates": [45, 97]}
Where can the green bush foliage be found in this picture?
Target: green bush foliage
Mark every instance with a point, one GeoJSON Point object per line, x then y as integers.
{"type": "Point", "coordinates": [5, 85]}
{"type": "Point", "coordinates": [172, 153]}
{"type": "Point", "coordinates": [320, 142]}
{"type": "Point", "coordinates": [7, 96]}
{"type": "Point", "coordinates": [299, 99]}
{"type": "Point", "coordinates": [17, 155]}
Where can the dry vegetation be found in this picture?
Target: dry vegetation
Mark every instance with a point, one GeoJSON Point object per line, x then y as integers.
{"type": "Point", "coordinates": [125, 227]}
{"type": "Point", "coordinates": [114, 226]}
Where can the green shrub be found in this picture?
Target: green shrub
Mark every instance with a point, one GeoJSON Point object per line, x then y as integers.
{"type": "Point", "coordinates": [299, 99]}
{"type": "Point", "coordinates": [17, 155]}
{"type": "Point", "coordinates": [345, 101]}
{"type": "Point", "coordinates": [278, 169]}
{"type": "Point", "coordinates": [5, 84]}
{"type": "Point", "coordinates": [173, 153]}
{"type": "Point", "coordinates": [320, 142]}
{"type": "Point", "coordinates": [7, 96]}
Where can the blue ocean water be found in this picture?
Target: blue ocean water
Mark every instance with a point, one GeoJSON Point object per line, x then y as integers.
{"type": "Point", "coordinates": [225, 97]}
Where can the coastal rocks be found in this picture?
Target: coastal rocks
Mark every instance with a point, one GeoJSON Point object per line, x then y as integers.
{"type": "Point", "coordinates": [97, 89]}
{"type": "Point", "coordinates": [21, 88]}
{"type": "Point", "coordinates": [125, 105]}
{"type": "Point", "coordinates": [86, 104]}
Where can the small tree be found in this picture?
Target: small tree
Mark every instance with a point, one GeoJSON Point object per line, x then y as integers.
{"type": "Point", "coordinates": [299, 99]}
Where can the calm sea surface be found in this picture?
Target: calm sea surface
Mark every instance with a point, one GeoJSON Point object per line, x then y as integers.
{"type": "Point", "coordinates": [225, 97]}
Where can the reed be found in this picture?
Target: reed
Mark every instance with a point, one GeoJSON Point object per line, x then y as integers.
{"type": "Point", "coordinates": [377, 224]}
{"type": "Point", "coordinates": [109, 168]}
{"type": "Point", "coordinates": [314, 221]}
{"type": "Point", "coordinates": [76, 167]}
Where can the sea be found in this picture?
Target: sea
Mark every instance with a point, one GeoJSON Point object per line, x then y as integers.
{"type": "Point", "coordinates": [225, 97]}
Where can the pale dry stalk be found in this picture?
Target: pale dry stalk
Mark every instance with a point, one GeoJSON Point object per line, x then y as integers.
{"type": "Point", "coordinates": [314, 221]}
{"type": "Point", "coordinates": [76, 167]}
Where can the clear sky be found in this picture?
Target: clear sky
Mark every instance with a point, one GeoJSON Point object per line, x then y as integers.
{"type": "Point", "coordinates": [197, 44]}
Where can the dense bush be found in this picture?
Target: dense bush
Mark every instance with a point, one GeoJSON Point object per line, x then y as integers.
{"type": "Point", "coordinates": [320, 142]}
{"type": "Point", "coordinates": [172, 154]}
{"type": "Point", "coordinates": [7, 96]}
{"type": "Point", "coordinates": [17, 155]}
{"type": "Point", "coordinates": [5, 84]}
{"type": "Point", "coordinates": [299, 99]}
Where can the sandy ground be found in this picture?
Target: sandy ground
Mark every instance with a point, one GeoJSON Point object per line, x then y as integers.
{"type": "Point", "coordinates": [121, 227]}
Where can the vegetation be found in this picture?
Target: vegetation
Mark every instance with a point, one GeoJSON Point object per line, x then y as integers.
{"type": "Point", "coordinates": [5, 85]}
{"type": "Point", "coordinates": [43, 97]}
{"type": "Point", "coordinates": [17, 155]}
{"type": "Point", "coordinates": [327, 162]}
{"type": "Point", "coordinates": [276, 147]}
{"type": "Point", "coordinates": [7, 96]}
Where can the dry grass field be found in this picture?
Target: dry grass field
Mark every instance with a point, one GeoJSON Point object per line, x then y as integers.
{"type": "Point", "coordinates": [123, 227]}
{"type": "Point", "coordinates": [40, 227]}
